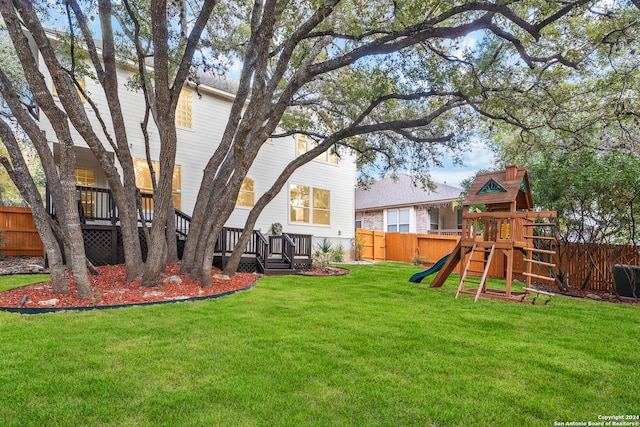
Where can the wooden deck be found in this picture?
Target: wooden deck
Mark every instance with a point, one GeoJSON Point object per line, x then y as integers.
{"type": "Point", "coordinates": [283, 254]}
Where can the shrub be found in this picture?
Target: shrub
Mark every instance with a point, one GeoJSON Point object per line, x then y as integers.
{"type": "Point", "coordinates": [325, 254]}
{"type": "Point", "coordinates": [358, 246]}
{"type": "Point", "coordinates": [337, 255]}
{"type": "Point", "coordinates": [418, 259]}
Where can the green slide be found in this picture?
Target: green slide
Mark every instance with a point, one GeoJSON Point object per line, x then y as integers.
{"type": "Point", "coordinates": [417, 278]}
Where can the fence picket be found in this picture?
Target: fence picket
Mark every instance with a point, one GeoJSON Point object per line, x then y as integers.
{"type": "Point", "coordinates": [593, 263]}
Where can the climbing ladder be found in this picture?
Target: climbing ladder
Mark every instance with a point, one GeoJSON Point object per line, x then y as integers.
{"type": "Point", "coordinates": [479, 265]}
{"type": "Point", "coordinates": [540, 251]}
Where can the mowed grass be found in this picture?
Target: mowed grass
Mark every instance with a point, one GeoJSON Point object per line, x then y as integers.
{"type": "Point", "coordinates": [16, 281]}
{"type": "Point", "coordinates": [368, 348]}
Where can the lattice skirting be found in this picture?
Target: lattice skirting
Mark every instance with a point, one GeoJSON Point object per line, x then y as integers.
{"type": "Point", "coordinates": [247, 264]}
{"type": "Point", "coordinates": [302, 265]}
{"type": "Point", "coordinates": [103, 244]}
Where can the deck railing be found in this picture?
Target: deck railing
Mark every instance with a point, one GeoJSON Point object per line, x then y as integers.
{"type": "Point", "coordinates": [262, 249]}
{"type": "Point", "coordinates": [303, 245]}
{"type": "Point", "coordinates": [97, 204]}
{"type": "Point", "coordinates": [94, 204]}
{"type": "Point", "coordinates": [288, 249]}
{"type": "Point", "coordinates": [445, 232]}
{"type": "Point", "coordinates": [229, 238]}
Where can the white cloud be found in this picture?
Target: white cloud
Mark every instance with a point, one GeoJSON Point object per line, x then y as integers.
{"type": "Point", "coordinates": [479, 157]}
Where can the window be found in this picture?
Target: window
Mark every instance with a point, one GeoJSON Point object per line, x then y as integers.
{"type": "Point", "coordinates": [321, 206]}
{"type": "Point", "coordinates": [86, 178]}
{"type": "Point", "coordinates": [309, 205]}
{"type": "Point", "coordinates": [434, 216]}
{"type": "Point", "coordinates": [398, 220]}
{"type": "Point", "coordinates": [144, 183]}
{"type": "Point", "coordinates": [302, 144]}
{"type": "Point", "coordinates": [305, 144]}
{"type": "Point", "coordinates": [54, 91]}
{"type": "Point", "coordinates": [358, 219]}
{"type": "Point", "coordinates": [459, 215]}
{"type": "Point", "coordinates": [184, 109]}
{"type": "Point", "coordinates": [246, 195]}
{"type": "Point", "coordinates": [299, 203]}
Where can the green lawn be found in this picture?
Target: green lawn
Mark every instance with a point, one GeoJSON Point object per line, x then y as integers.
{"type": "Point", "coordinates": [10, 282]}
{"type": "Point", "coordinates": [369, 348]}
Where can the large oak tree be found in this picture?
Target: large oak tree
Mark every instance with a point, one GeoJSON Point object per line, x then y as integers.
{"type": "Point", "coordinates": [391, 81]}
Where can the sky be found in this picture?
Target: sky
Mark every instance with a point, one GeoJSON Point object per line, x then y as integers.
{"type": "Point", "coordinates": [478, 157]}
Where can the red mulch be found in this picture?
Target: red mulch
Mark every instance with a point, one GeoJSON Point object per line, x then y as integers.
{"type": "Point", "coordinates": [606, 296]}
{"type": "Point", "coordinates": [110, 287]}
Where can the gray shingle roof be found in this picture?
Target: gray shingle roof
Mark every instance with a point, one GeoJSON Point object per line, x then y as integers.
{"type": "Point", "coordinates": [222, 83]}
{"type": "Point", "coordinates": [388, 192]}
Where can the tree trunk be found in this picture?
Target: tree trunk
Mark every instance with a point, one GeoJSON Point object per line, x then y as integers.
{"type": "Point", "coordinates": [216, 223]}
{"type": "Point", "coordinates": [19, 174]}
{"type": "Point", "coordinates": [172, 244]}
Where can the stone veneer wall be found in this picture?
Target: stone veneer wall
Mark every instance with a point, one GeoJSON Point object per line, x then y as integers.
{"type": "Point", "coordinates": [373, 220]}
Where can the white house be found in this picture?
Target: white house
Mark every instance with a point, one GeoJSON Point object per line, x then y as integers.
{"type": "Point", "coordinates": [318, 199]}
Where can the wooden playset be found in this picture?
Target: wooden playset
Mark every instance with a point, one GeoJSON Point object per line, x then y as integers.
{"type": "Point", "coordinates": [508, 224]}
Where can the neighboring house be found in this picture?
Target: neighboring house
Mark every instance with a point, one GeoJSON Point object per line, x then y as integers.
{"type": "Point", "coordinates": [317, 200]}
{"type": "Point", "coordinates": [403, 205]}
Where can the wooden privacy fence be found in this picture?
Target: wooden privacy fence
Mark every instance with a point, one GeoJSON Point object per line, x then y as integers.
{"type": "Point", "coordinates": [20, 233]}
{"type": "Point", "coordinates": [587, 265]}
{"type": "Point", "coordinates": [593, 264]}
{"type": "Point", "coordinates": [370, 244]}
{"type": "Point", "coordinates": [429, 248]}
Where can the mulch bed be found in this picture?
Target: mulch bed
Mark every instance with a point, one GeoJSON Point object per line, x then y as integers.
{"type": "Point", "coordinates": [111, 288]}
{"type": "Point", "coordinates": [598, 296]}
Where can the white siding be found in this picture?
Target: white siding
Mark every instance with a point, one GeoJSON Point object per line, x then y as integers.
{"type": "Point", "coordinates": [196, 146]}
{"type": "Point", "coordinates": [338, 179]}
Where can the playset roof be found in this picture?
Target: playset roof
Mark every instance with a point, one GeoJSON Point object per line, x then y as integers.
{"type": "Point", "coordinates": [506, 190]}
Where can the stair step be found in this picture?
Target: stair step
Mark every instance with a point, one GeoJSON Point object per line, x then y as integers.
{"type": "Point", "coordinates": [279, 271]}
{"type": "Point", "coordinates": [278, 265]}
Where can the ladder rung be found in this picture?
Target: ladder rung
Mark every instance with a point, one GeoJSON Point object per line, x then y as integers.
{"type": "Point", "coordinates": [538, 291]}
{"type": "Point", "coordinates": [481, 249]}
{"type": "Point", "coordinates": [540, 237]}
{"type": "Point", "coordinates": [535, 261]}
{"type": "Point", "coordinates": [475, 271]}
{"type": "Point", "coordinates": [551, 279]}
{"type": "Point", "coordinates": [542, 251]}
